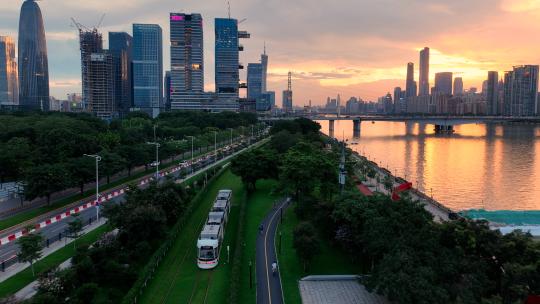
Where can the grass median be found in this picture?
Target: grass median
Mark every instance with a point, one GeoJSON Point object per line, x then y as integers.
{"type": "Point", "coordinates": [178, 279]}
{"type": "Point", "coordinates": [23, 278]}
{"type": "Point", "coordinates": [330, 261]}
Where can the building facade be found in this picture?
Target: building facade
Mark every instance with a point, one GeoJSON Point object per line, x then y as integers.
{"type": "Point", "coordinates": [101, 89]}
{"type": "Point", "coordinates": [255, 81]}
{"type": "Point", "coordinates": [423, 84]}
{"type": "Point", "coordinates": [410, 86]}
{"type": "Point", "coordinates": [148, 68]}
{"type": "Point", "coordinates": [33, 61]}
{"type": "Point", "coordinates": [121, 48]}
{"type": "Point", "coordinates": [492, 94]}
{"type": "Point", "coordinates": [458, 86]}
{"type": "Point", "coordinates": [443, 83]}
{"type": "Point", "coordinates": [9, 82]}
{"type": "Point", "coordinates": [227, 59]}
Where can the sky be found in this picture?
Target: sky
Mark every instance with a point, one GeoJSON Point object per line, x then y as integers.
{"type": "Point", "coordinates": [349, 47]}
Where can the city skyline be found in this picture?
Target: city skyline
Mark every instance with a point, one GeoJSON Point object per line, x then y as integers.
{"type": "Point", "coordinates": [326, 70]}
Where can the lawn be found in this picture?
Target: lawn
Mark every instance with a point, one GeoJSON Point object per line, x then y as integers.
{"type": "Point", "coordinates": [178, 279]}
{"type": "Point", "coordinates": [23, 278]}
{"type": "Point", "coordinates": [331, 260]}
{"type": "Point", "coordinates": [259, 204]}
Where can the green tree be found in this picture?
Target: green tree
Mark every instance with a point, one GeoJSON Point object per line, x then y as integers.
{"type": "Point", "coordinates": [15, 157]}
{"type": "Point", "coordinates": [254, 165]}
{"type": "Point", "coordinates": [306, 243]}
{"type": "Point", "coordinates": [82, 170]}
{"type": "Point", "coordinates": [111, 163]}
{"type": "Point", "coordinates": [30, 247]}
{"type": "Point", "coordinates": [45, 180]}
{"type": "Point", "coordinates": [75, 227]}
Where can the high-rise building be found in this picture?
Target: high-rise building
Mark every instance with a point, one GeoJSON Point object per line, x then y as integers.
{"type": "Point", "coordinates": [101, 79]}
{"type": "Point", "coordinates": [33, 62]}
{"type": "Point", "coordinates": [264, 62]}
{"type": "Point", "coordinates": [227, 59]}
{"type": "Point", "coordinates": [121, 48]}
{"type": "Point", "coordinates": [287, 101]}
{"type": "Point", "coordinates": [148, 68]}
{"type": "Point", "coordinates": [521, 91]}
{"type": "Point", "coordinates": [167, 83]}
{"type": "Point", "coordinates": [443, 83]}
{"type": "Point", "coordinates": [255, 81]}
{"type": "Point", "coordinates": [9, 82]}
{"type": "Point", "coordinates": [187, 55]}
{"type": "Point", "coordinates": [424, 72]}
{"type": "Point", "coordinates": [492, 95]}
{"type": "Point", "coordinates": [458, 86]}
{"type": "Point", "coordinates": [400, 105]}
{"type": "Point", "coordinates": [90, 42]}
{"type": "Point", "coordinates": [410, 87]}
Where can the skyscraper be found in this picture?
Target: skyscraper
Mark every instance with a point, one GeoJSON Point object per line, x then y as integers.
{"type": "Point", "coordinates": [264, 62]}
{"type": "Point", "coordinates": [90, 41]}
{"type": "Point", "coordinates": [443, 83]}
{"type": "Point", "coordinates": [148, 68]}
{"type": "Point", "coordinates": [492, 93]}
{"type": "Point", "coordinates": [287, 101]}
{"type": "Point", "coordinates": [458, 86]}
{"type": "Point", "coordinates": [424, 72]}
{"type": "Point", "coordinates": [187, 55]}
{"type": "Point", "coordinates": [9, 82]}
{"type": "Point", "coordinates": [121, 48]}
{"type": "Point", "coordinates": [33, 62]}
{"type": "Point", "coordinates": [227, 59]}
{"type": "Point", "coordinates": [167, 83]}
{"type": "Point", "coordinates": [410, 87]}
{"type": "Point", "coordinates": [521, 91]}
{"type": "Point", "coordinates": [255, 81]}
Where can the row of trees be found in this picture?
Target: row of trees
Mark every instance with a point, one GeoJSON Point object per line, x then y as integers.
{"type": "Point", "coordinates": [45, 151]}
{"type": "Point", "coordinates": [405, 254]}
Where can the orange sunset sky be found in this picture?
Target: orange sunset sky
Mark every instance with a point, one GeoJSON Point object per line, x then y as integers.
{"type": "Point", "coordinates": [351, 47]}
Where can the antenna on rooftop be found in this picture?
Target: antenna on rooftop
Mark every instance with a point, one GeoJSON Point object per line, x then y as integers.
{"type": "Point", "coordinates": [229, 8]}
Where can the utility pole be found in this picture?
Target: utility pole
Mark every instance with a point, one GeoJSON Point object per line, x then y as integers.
{"type": "Point", "coordinates": [191, 162]}
{"type": "Point", "coordinates": [342, 172]}
{"type": "Point", "coordinates": [98, 159]}
{"type": "Point", "coordinates": [157, 158]}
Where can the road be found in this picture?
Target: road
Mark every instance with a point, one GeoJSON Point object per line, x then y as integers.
{"type": "Point", "coordinates": [269, 284]}
{"type": "Point", "coordinates": [8, 251]}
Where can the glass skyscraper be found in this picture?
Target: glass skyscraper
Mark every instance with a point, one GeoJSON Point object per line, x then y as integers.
{"type": "Point", "coordinates": [423, 84]}
{"type": "Point", "coordinates": [121, 48]}
{"type": "Point", "coordinates": [148, 67]}
{"type": "Point", "coordinates": [255, 81]}
{"type": "Point", "coordinates": [9, 82]}
{"type": "Point", "coordinates": [227, 59]}
{"type": "Point", "coordinates": [33, 62]}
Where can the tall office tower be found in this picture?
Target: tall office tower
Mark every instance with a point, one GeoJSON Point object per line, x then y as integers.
{"type": "Point", "coordinates": [121, 48]}
{"type": "Point", "coordinates": [264, 62]}
{"type": "Point", "coordinates": [443, 83]}
{"type": "Point", "coordinates": [287, 101]}
{"type": "Point", "coordinates": [9, 82]}
{"type": "Point", "coordinates": [492, 95]}
{"type": "Point", "coordinates": [101, 80]}
{"type": "Point", "coordinates": [424, 72]}
{"type": "Point", "coordinates": [524, 91]}
{"type": "Point", "coordinates": [227, 59]}
{"type": "Point", "coordinates": [167, 83]}
{"type": "Point", "coordinates": [255, 81]}
{"type": "Point", "coordinates": [507, 93]}
{"type": "Point", "coordinates": [458, 86]}
{"type": "Point", "coordinates": [410, 86]}
{"type": "Point", "coordinates": [187, 55]}
{"type": "Point", "coordinates": [90, 42]}
{"type": "Point", "coordinates": [148, 68]}
{"type": "Point", "coordinates": [33, 62]}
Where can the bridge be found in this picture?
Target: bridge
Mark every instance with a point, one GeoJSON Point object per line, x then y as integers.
{"type": "Point", "coordinates": [442, 123]}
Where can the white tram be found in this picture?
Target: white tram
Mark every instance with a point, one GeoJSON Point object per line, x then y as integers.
{"type": "Point", "coordinates": [211, 237]}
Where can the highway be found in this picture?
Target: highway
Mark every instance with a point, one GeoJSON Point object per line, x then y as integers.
{"type": "Point", "coordinates": [53, 231]}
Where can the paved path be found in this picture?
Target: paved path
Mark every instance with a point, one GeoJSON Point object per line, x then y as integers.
{"type": "Point", "coordinates": [268, 284]}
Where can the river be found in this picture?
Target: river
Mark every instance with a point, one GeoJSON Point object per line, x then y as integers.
{"type": "Point", "coordinates": [480, 166]}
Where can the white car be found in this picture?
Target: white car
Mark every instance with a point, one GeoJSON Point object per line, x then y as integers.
{"type": "Point", "coordinates": [154, 164]}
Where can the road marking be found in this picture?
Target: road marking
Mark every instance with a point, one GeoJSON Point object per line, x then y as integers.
{"type": "Point", "coordinates": [266, 255]}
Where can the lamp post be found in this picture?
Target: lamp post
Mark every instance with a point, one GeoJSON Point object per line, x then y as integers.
{"type": "Point", "coordinates": [231, 134]}
{"type": "Point", "coordinates": [157, 157]}
{"type": "Point", "coordinates": [215, 146]}
{"type": "Point", "coordinates": [98, 159]}
{"type": "Point", "coordinates": [191, 163]}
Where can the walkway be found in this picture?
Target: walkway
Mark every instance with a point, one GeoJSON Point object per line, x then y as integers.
{"type": "Point", "coordinates": [268, 284]}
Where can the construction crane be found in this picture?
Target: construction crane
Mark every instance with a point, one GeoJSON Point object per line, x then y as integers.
{"type": "Point", "coordinates": [100, 22]}
{"type": "Point", "coordinates": [78, 25]}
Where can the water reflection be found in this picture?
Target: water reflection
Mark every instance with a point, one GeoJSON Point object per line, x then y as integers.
{"type": "Point", "coordinates": [489, 166]}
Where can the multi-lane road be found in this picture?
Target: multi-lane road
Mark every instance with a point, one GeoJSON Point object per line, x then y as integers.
{"type": "Point", "coordinates": [53, 231]}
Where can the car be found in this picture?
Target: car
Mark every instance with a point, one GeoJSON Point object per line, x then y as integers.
{"type": "Point", "coordinates": [155, 164]}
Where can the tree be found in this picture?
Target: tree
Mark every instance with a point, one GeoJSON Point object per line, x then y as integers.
{"type": "Point", "coordinates": [111, 163]}
{"type": "Point", "coordinates": [284, 140]}
{"type": "Point", "coordinates": [82, 170]}
{"type": "Point", "coordinates": [305, 242]}
{"type": "Point", "coordinates": [45, 180]}
{"type": "Point", "coordinates": [135, 155]}
{"type": "Point", "coordinates": [15, 156]}
{"type": "Point", "coordinates": [30, 248]}
{"type": "Point", "coordinates": [75, 227]}
{"type": "Point", "coordinates": [254, 165]}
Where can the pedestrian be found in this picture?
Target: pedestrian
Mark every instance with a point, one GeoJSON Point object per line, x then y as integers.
{"type": "Point", "coordinates": [261, 229]}
{"type": "Point", "coordinates": [274, 268]}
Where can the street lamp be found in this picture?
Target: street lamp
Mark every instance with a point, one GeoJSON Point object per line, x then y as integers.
{"type": "Point", "coordinates": [215, 146]}
{"type": "Point", "coordinates": [231, 135]}
{"type": "Point", "coordinates": [191, 165]}
{"type": "Point", "coordinates": [157, 157]}
{"type": "Point", "coordinates": [98, 159]}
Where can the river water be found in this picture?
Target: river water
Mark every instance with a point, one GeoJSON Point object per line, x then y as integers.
{"type": "Point", "coordinates": [480, 166]}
